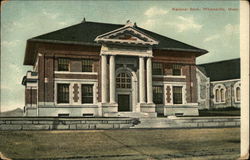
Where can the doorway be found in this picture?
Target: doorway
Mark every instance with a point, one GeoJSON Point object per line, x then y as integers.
{"type": "Point", "coordinates": [123, 102]}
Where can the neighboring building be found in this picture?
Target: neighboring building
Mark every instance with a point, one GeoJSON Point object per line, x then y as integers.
{"type": "Point", "coordinates": [100, 69]}
{"type": "Point", "coordinates": [219, 84]}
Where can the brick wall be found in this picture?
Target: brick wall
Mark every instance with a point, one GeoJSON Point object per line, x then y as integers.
{"type": "Point", "coordinates": [30, 96]}
{"type": "Point", "coordinates": [48, 64]}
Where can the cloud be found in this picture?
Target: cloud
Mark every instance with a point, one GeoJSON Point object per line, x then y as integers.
{"type": "Point", "coordinates": [154, 11]}
{"type": "Point", "coordinates": [10, 43]}
{"type": "Point", "coordinates": [212, 37]}
{"type": "Point", "coordinates": [231, 29]}
{"type": "Point", "coordinates": [49, 14]}
{"type": "Point", "coordinates": [149, 23]}
{"type": "Point", "coordinates": [62, 23]}
{"type": "Point", "coordinates": [185, 23]}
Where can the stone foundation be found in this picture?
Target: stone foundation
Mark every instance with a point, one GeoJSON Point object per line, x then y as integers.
{"type": "Point", "coordinates": [72, 123]}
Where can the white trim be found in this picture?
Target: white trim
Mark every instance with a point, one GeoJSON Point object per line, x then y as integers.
{"type": "Point", "coordinates": [68, 72]}
{"type": "Point", "coordinates": [120, 50]}
{"type": "Point", "coordinates": [184, 101]}
{"type": "Point", "coordinates": [33, 105]}
{"type": "Point", "coordinates": [70, 94]}
{"type": "Point", "coordinates": [32, 86]}
{"type": "Point", "coordinates": [106, 36]}
{"type": "Point", "coordinates": [219, 100]}
{"type": "Point", "coordinates": [236, 85]}
{"type": "Point", "coordinates": [225, 81]}
{"type": "Point", "coordinates": [168, 76]}
{"type": "Point", "coordinates": [71, 100]}
{"type": "Point", "coordinates": [175, 83]}
{"type": "Point", "coordinates": [94, 93]}
{"type": "Point", "coordinates": [75, 80]}
{"type": "Point", "coordinates": [133, 92]}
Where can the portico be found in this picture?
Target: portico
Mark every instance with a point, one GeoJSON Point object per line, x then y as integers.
{"type": "Point", "coordinates": [139, 91]}
{"type": "Point", "coordinates": [137, 95]}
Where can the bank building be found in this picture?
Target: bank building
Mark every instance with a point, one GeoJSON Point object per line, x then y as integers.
{"type": "Point", "coordinates": [94, 69]}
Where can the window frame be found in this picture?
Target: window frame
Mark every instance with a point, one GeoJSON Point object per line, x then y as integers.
{"type": "Point", "coordinates": [159, 95]}
{"type": "Point", "coordinates": [127, 80]}
{"type": "Point", "coordinates": [161, 68]}
{"type": "Point", "coordinates": [181, 95]}
{"type": "Point", "coordinates": [177, 67]}
{"type": "Point", "coordinates": [237, 85]}
{"type": "Point", "coordinates": [221, 89]}
{"type": "Point", "coordinates": [237, 95]}
{"type": "Point", "coordinates": [89, 64]}
{"type": "Point", "coordinates": [58, 93]}
{"type": "Point", "coordinates": [68, 64]}
{"type": "Point", "coordinates": [87, 96]}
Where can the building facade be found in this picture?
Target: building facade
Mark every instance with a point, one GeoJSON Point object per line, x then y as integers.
{"type": "Point", "coordinates": [103, 70]}
{"type": "Point", "coordinates": [219, 84]}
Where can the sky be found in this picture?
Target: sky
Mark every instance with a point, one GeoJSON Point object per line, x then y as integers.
{"type": "Point", "coordinates": [214, 30]}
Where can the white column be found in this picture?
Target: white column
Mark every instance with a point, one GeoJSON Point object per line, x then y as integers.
{"type": "Point", "coordinates": [149, 81]}
{"type": "Point", "coordinates": [141, 80]}
{"type": "Point", "coordinates": [112, 78]}
{"type": "Point", "coordinates": [104, 79]}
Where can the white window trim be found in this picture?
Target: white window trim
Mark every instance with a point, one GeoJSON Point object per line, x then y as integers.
{"type": "Point", "coordinates": [237, 84]}
{"type": "Point", "coordinates": [169, 76]}
{"type": "Point", "coordinates": [70, 94]}
{"type": "Point", "coordinates": [94, 93]}
{"type": "Point", "coordinates": [171, 85]}
{"type": "Point", "coordinates": [68, 72]}
{"type": "Point", "coordinates": [71, 84]}
{"type": "Point", "coordinates": [221, 87]}
{"type": "Point", "coordinates": [183, 94]}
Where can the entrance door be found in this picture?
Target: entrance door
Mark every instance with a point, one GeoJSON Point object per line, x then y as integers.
{"type": "Point", "coordinates": [123, 102]}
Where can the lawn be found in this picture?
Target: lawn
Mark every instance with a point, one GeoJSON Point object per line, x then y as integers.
{"type": "Point", "coordinates": [229, 111]}
{"type": "Point", "coordinates": [149, 144]}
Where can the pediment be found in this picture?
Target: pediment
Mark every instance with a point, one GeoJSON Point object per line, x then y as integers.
{"type": "Point", "coordinates": [126, 35]}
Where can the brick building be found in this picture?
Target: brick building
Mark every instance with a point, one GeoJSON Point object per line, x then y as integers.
{"type": "Point", "coordinates": [100, 69]}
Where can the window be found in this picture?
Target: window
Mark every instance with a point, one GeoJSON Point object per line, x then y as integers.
{"type": "Point", "coordinates": [123, 80]}
{"type": "Point", "coordinates": [63, 64]}
{"type": "Point", "coordinates": [87, 93]}
{"type": "Point", "coordinates": [222, 94]}
{"type": "Point", "coordinates": [157, 69]}
{"type": "Point", "coordinates": [62, 93]}
{"type": "Point", "coordinates": [217, 95]}
{"type": "Point", "coordinates": [177, 94]}
{"type": "Point", "coordinates": [87, 65]}
{"type": "Point", "coordinates": [158, 94]}
{"type": "Point", "coordinates": [176, 70]}
{"type": "Point", "coordinates": [238, 94]}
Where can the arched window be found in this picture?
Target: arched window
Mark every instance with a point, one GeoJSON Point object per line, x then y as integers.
{"type": "Point", "coordinates": [123, 80]}
{"type": "Point", "coordinates": [222, 95]}
{"type": "Point", "coordinates": [237, 93]}
{"type": "Point", "coordinates": [217, 95]}
{"type": "Point", "coordinates": [219, 91]}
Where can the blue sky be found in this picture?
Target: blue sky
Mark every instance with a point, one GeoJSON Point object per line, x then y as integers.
{"type": "Point", "coordinates": [215, 31]}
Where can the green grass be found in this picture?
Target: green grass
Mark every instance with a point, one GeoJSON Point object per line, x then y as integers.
{"type": "Point", "coordinates": [228, 111]}
{"type": "Point", "coordinates": [220, 143]}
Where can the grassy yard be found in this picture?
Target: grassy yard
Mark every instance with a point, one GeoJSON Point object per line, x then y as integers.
{"type": "Point", "coordinates": [150, 144]}
{"type": "Point", "coordinates": [229, 111]}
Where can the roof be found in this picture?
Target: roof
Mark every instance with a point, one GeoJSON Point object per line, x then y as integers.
{"type": "Point", "coordinates": [221, 70]}
{"type": "Point", "coordinates": [85, 33]}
